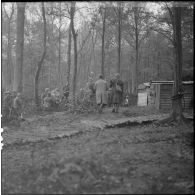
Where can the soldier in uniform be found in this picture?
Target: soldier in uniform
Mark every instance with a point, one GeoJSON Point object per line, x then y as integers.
{"type": "Point", "coordinates": [17, 106]}
{"type": "Point", "coordinates": [91, 89]}
{"type": "Point", "coordinates": [66, 91]}
{"type": "Point", "coordinates": [56, 97]}
{"type": "Point", "coordinates": [44, 94]}
{"type": "Point", "coordinates": [47, 102]}
{"type": "Point", "coordinates": [7, 106]}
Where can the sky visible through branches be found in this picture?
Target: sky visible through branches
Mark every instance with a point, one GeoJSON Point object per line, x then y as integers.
{"type": "Point", "coordinates": [84, 11]}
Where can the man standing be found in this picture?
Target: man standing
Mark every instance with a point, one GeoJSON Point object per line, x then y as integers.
{"type": "Point", "coordinates": [117, 89]}
{"type": "Point", "coordinates": [101, 93]}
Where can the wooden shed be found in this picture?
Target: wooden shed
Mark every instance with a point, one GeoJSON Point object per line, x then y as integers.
{"type": "Point", "coordinates": [163, 91]}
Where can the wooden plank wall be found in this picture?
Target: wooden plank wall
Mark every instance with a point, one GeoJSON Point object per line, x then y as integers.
{"type": "Point", "coordinates": [188, 96]}
{"type": "Point", "coordinates": [157, 95]}
{"type": "Point", "coordinates": [165, 96]}
{"type": "Point", "coordinates": [166, 93]}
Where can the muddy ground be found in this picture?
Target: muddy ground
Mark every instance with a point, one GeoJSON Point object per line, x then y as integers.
{"type": "Point", "coordinates": [132, 159]}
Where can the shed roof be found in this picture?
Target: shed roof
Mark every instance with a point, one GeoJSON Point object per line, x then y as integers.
{"type": "Point", "coordinates": [147, 84]}
{"type": "Point", "coordinates": [171, 82]}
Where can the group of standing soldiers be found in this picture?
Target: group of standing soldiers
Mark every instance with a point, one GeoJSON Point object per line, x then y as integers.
{"type": "Point", "coordinates": [12, 106]}
{"type": "Point", "coordinates": [102, 92]}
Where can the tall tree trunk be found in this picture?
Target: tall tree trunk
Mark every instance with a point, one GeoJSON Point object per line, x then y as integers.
{"type": "Point", "coordinates": [90, 60]}
{"type": "Point", "coordinates": [39, 65]}
{"type": "Point", "coordinates": [9, 67]}
{"type": "Point", "coordinates": [103, 36]}
{"type": "Point", "coordinates": [137, 50]}
{"type": "Point", "coordinates": [59, 53]}
{"type": "Point", "coordinates": [18, 76]}
{"type": "Point", "coordinates": [135, 67]}
{"type": "Point", "coordinates": [158, 61]}
{"type": "Point", "coordinates": [129, 77]}
{"type": "Point", "coordinates": [131, 73]}
{"type": "Point", "coordinates": [74, 34]}
{"type": "Point", "coordinates": [119, 38]}
{"type": "Point", "coordinates": [69, 56]}
{"type": "Point", "coordinates": [89, 64]}
{"type": "Point", "coordinates": [49, 75]}
{"type": "Point", "coordinates": [52, 32]}
{"type": "Point", "coordinates": [80, 67]}
{"type": "Point", "coordinates": [134, 79]}
{"type": "Point", "coordinates": [148, 65]}
{"type": "Point", "coordinates": [177, 89]}
{"type": "Point", "coordinates": [93, 48]}
{"type": "Point", "coordinates": [91, 56]}
{"type": "Point", "coordinates": [9, 57]}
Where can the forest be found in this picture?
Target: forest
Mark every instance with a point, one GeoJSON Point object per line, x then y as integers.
{"type": "Point", "coordinates": [58, 138]}
{"type": "Point", "coordinates": [53, 43]}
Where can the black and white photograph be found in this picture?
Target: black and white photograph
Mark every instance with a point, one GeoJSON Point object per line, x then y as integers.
{"type": "Point", "coordinates": [97, 97]}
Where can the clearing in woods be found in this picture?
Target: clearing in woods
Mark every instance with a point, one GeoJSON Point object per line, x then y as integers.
{"type": "Point", "coordinates": [64, 153]}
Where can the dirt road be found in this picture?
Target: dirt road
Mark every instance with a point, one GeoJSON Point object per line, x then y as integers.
{"type": "Point", "coordinates": [134, 159]}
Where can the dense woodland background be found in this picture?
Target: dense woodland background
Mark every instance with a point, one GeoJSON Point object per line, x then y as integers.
{"type": "Point", "coordinates": [64, 42]}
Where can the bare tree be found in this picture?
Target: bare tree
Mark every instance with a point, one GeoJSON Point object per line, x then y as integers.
{"type": "Point", "coordinates": [103, 37]}
{"type": "Point", "coordinates": [59, 45]}
{"type": "Point", "coordinates": [176, 39]}
{"type": "Point", "coordinates": [69, 55]}
{"type": "Point", "coordinates": [74, 34]}
{"type": "Point", "coordinates": [39, 65]}
{"type": "Point", "coordinates": [18, 76]}
{"type": "Point", "coordinates": [119, 36]}
{"type": "Point", "coordinates": [94, 40]}
{"type": "Point", "coordinates": [118, 13]}
{"type": "Point", "coordinates": [177, 89]}
{"type": "Point", "coordinates": [138, 28]}
{"type": "Point", "coordinates": [85, 48]}
{"type": "Point", "coordinates": [9, 47]}
{"type": "Point", "coordinates": [135, 11]}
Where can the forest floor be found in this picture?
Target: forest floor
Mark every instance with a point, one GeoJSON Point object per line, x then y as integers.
{"type": "Point", "coordinates": [63, 153]}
